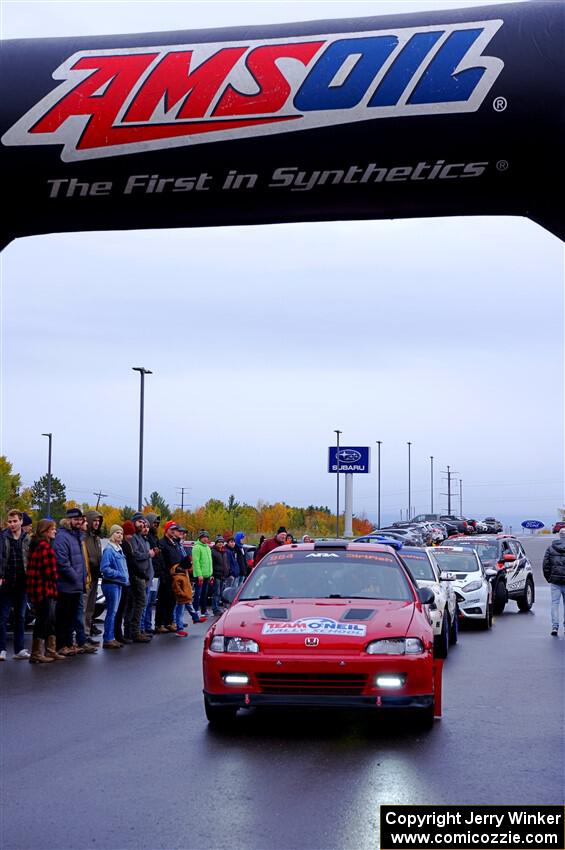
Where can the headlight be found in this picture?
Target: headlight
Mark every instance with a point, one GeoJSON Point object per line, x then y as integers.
{"type": "Point", "coordinates": [395, 646]}
{"type": "Point", "coordinates": [474, 585]}
{"type": "Point", "coordinates": [220, 643]}
{"type": "Point", "coordinates": [238, 644]}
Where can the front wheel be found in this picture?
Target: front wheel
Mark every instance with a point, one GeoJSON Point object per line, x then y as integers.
{"type": "Point", "coordinates": [441, 641]}
{"type": "Point", "coordinates": [454, 629]}
{"type": "Point", "coordinates": [526, 601]}
{"type": "Point", "coordinates": [486, 622]}
{"type": "Point", "coordinates": [219, 716]}
{"type": "Point", "coordinates": [500, 598]}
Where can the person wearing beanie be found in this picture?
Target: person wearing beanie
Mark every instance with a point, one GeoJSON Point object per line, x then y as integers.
{"type": "Point", "coordinates": [554, 573]}
{"type": "Point", "coordinates": [155, 571]}
{"type": "Point", "coordinates": [27, 524]}
{"type": "Point", "coordinates": [202, 571]}
{"type": "Point", "coordinates": [271, 543]}
{"type": "Point", "coordinates": [139, 576]}
{"type": "Point", "coordinates": [93, 546]}
{"type": "Point", "coordinates": [114, 576]}
{"type": "Point", "coordinates": [120, 627]}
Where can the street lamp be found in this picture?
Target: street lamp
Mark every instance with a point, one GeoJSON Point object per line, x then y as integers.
{"type": "Point", "coordinates": [379, 442]}
{"type": "Point", "coordinates": [431, 484]}
{"type": "Point", "coordinates": [50, 438]}
{"type": "Point", "coordinates": [337, 433]}
{"type": "Point", "coordinates": [409, 485]}
{"type": "Point", "coordinates": [142, 373]}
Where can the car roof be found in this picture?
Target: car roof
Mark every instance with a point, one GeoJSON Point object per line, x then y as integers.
{"type": "Point", "coordinates": [347, 545]}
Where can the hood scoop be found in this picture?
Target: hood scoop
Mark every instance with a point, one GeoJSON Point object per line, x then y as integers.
{"type": "Point", "coordinates": [276, 614]}
{"type": "Point", "coordinates": [359, 614]}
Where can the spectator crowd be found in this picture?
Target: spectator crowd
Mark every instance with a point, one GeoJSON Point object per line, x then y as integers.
{"type": "Point", "coordinates": [60, 572]}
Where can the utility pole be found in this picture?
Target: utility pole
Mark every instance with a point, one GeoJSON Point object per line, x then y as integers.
{"type": "Point", "coordinates": [409, 515]}
{"type": "Point", "coordinates": [142, 373]}
{"type": "Point", "coordinates": [460, 497]}
{"type": "Point", "coordinates": [50, 438]}
{"type": "Point", "coordinates": [100, 496]}
{"type": "Point", "coordinates": [182, 491]}
{"type": "Point", "coordinates": [449, 474]}
{"type": "Point", "coordinates": [431, 484]}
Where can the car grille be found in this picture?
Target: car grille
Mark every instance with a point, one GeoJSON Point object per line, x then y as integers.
{"type": "Point", "coordinates": [331, 684]}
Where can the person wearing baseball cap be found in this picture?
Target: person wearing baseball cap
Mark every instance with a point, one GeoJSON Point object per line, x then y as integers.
{"type": "Point", "coordinates": [166, 615]}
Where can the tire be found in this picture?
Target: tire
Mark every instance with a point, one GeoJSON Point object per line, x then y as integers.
{"type": "Point", "coordinates": [486, 623]}
{"type": "Point", "coordinates": [441, 641]}
{"type": "Point", "coordinates": [220, 716]}
{"type": "Point", "coordinates": [500, 598]}
{"type": "Point", "coordinates": [454, 629]}
{"type": "Point", "coordinates": [527, 600]}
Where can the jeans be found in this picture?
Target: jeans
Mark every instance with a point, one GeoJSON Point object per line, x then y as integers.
{"type": "Point", "coordinates": [201, 596]}
{"type": "Point", "coordinates": [217, 594]}
{"type": "Point", "coordinates": [557, 593]}
{"type": "Point", "coordinates": [17, 599]}
{"type": "Point", "coordinates": [179, 614]}
{"type": "Point", "coordinates": [90, 602]}
{"type": "Point", "coordinates": [146, 624]}
{"type": "Point", "coordinates": [79, 622]}
{"type": "Point", "coordinates": [112, 592]}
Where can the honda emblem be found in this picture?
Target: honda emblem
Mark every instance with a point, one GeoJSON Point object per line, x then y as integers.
{"type": "Point", "coordinates": [311, 641]}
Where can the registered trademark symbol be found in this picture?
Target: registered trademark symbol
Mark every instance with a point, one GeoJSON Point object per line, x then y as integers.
{"type": "Point", "coordinates": [502, 165]}
{"type": "Point", "coordinates": [499, 104]}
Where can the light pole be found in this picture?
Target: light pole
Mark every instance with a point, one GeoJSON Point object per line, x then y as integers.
{"type": "Point", "coordinates": [142, 373]}
{"type": "Point", "coordinates": [431, 484]}
{"type": "Point", "coordinates": [50, 437]}
{"type": "Point", "coordinates": [409, 485]}
{"type": "Point", "coordinates": [379, 442]}
{"type": "Point", "coordinates": [337, 433]}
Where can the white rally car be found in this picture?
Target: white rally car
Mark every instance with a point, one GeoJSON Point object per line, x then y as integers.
{"type": "Point", "coordinates": [444, 613]}
{"type": "Point", "coordinates": [472, 582]}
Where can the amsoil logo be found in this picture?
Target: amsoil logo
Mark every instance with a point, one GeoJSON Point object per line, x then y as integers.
{"type": "Point", "coordinates": [138, 99]}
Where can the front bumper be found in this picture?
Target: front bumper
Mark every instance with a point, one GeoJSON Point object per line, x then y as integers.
{"type": "Point", "coordinates": [250, 700]}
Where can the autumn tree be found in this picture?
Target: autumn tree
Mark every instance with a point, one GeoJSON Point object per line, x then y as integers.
{"type": "Point", "coordinates": [10, 483]}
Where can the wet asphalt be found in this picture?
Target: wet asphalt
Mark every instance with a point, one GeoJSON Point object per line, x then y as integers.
{"type": "Point", "coordinates": [113, 751]}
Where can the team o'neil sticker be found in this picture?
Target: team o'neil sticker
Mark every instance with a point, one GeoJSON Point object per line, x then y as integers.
{"type": "Point", "coordinates": [315, 626]}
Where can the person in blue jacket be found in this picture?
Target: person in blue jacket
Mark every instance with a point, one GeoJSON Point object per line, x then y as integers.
{"type": "Point", "coordinates": [114, 576]}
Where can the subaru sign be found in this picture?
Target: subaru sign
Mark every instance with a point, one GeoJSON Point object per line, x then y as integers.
{"type": "Point", "coordinates": [532, 523]}
{"type": "Point", "coordinates": [351, 459]}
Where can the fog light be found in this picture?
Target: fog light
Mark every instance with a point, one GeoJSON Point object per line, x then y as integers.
{"type": "Point", "coordinates": [389, 681]}
{"type": "Point", "coordinates": [236, 679]}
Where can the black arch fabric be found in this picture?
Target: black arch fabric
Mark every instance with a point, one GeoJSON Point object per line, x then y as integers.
{"type": "Point", "coordinates": [429, 114]}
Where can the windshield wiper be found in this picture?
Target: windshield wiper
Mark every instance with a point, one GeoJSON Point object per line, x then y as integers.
{"type": "Point", "coordinates": [255, 598]}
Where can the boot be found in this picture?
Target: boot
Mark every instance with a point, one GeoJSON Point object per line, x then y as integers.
{"type": "Point", "coordinates": [52, 649]}
{"type": "Point", "coordinates": [37, 656]}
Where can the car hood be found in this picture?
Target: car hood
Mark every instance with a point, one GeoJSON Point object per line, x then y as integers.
{"type": "Point", "coordinates": [343, 624]}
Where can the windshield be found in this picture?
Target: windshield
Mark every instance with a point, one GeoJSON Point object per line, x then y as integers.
{"type": "Point", "coordinates": [419, 566]}
{"type": "Point", "coordinates": [485, 551]}
{"type": "Point", "coordinates": [328, 575]}
{"type": "Point", "coordinates": [456, 562]}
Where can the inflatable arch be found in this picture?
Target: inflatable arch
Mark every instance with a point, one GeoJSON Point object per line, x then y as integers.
{"type": "Point", "coordinates": [428, 114]}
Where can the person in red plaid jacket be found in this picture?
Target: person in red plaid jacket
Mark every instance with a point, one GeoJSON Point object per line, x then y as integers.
{"type": "Point", "coordinates": [41, 587]}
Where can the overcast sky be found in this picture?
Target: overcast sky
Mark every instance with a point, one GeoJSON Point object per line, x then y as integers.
{"type": "Point", "coordinates": [262, 340]}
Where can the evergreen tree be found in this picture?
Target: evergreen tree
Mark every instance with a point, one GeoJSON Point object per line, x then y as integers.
{"type": "Point", "coordinates": [58, 497]}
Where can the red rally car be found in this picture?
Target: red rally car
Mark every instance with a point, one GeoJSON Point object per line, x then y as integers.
{"type": "Point", "coordinates": [328, 624]}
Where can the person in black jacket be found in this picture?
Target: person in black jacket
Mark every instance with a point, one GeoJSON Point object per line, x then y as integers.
{"type": "Point", "coordinates": [554, 573]}
{"type": "Point", "coordinates": [142, 554]}
{"type": "Point", "coordinates": [120, 633]}
{"type": "Point", "coordinates": [220, 571]}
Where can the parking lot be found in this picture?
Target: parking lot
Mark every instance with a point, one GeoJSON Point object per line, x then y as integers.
{"type": "Point", "coordinates": [113, 751]}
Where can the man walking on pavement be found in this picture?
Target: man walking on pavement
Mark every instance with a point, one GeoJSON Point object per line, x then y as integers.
{"type": "Point", "coordinates": [554, 573]}
{"type": "Point", "coordinates": [94, 553]}
{"type": "Point", "coordinates": [202, 572]}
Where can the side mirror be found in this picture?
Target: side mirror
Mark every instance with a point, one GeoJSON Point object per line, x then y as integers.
{"type": "Point", "coordinates": [447, 577]}
{"type": "Point", "coordinates": [229, 594]}
{"type": "Point", "coordinates": [490, 573]}
{"type": "Point", "coordinates": [426, 595]}
{"type": "Point", "coordinates": [509, 558]}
